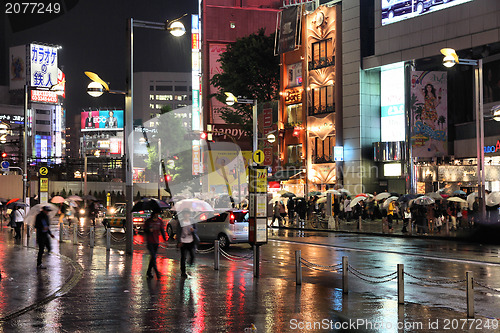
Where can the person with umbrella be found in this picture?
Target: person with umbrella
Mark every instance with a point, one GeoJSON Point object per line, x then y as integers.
{"type": "Point", "coordinates": [18, 220]}
{"type": "Point", "coordinates": [42, 226]}
{"type": "Point", "coordinates": [186, 237]}
{"type": "Point", "coordinates": [153, 227]}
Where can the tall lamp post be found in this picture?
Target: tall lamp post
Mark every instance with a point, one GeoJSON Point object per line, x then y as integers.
{"type": "Point", "coordinates": [176, 28]}
{"type": "Point", "coordinates": [451, 59]}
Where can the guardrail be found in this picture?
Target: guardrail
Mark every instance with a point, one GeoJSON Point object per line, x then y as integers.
{"type": "Point", "coordinates": [345, 268]}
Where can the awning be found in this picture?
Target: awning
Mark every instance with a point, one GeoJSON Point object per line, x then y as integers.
{"type": "Point", "coordinates": [283, 175]}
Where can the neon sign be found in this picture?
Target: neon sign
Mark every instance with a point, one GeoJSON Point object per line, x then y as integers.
{"type": "Point", "coordinates": [492, 149]}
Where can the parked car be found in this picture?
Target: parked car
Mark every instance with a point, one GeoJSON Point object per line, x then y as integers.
{"type": "Point", "coordinates": [392, 8]}
{"type": "Point", "coordinates": [228, 227]}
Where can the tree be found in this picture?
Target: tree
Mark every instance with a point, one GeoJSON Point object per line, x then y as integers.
{"type": "Point", "coordinates": [251, 70]}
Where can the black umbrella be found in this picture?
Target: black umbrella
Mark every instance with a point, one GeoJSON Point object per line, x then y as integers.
{"type": "Point", "coordinates": [89, 197]}
{"type": "Point", "coordinates": [152, 204]}
{"type": "Point", "coordinates": [407, 197]}
{"type": "Point", "coordinates": [288, 195]}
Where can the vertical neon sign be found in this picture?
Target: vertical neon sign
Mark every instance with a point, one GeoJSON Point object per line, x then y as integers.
{"type": "Point", "coordinates": [195, 82]}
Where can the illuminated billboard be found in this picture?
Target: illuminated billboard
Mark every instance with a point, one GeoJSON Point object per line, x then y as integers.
{"type": "Point", "coordinates": [102, 120]}
{"type": "Point", "coordinates": [43, 65]}
{"type": "Point", "coordinates": [392, 103]}
{"type": "Point", "coordinates": [399, 10]}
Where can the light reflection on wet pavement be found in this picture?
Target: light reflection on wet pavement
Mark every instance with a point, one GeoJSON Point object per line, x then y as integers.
{"type": "Point", "coordinates": [114, 295]}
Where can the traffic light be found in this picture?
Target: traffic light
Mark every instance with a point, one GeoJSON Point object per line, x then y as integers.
{"type": "Point", "coordinates": [203, 135]}
{"type": "Point", "coordinates": [168, 178]}
{"type": "Point", "coordinates": [4, 155]}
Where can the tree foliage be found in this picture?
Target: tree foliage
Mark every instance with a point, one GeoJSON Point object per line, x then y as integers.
{"type": "Point", "coordinates": [251, 70]}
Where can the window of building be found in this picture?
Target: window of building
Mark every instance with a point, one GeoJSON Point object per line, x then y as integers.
{"type": "Point", "coordinates": [322, 54]}
{"type": "Point", "coordinates": [151, 88]}
{"type": "Point", "coordinates": [151, 97]}
{"type": "Point", "coordinates": [42, 133]}
{"type": "Point", "coordinates": [159, 106]}
{"type": "Point", "coordinates": [294, 154]}
{"type": "Point", "coordinates": [181, 88]}
{"type": "Point", "coordinates": [164, 97]}
{"type": "Point", "coordinates": [42, 111]}
{"type": "Point", "coordinates": [323, 100]}
{"type": "Point", "coordinates": [323, 150]}
{"type": "Point", "coordinates": [151, 106]}
{"type": "Point", "coordinates": [181, 97]}
{"type": "Point", "coordinates": [163, 88]}
{"type": "Point", "coordinates": [294, 114]}
{"type": "Point", "coordinates": [43, 122]}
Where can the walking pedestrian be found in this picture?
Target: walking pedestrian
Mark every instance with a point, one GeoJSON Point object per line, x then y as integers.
{"type": "Point", "coordinates": [348, 209]}
{"type": "Point", "coordinates": [276, 214]}
{"type": "Point", "coordinates": [19, 221]}
{"type": "Point", "coordinates": [186, 235]}
{"type": "Point", "coordinates": [153, 227]}
{"type": "Point", "coordinates": [290, 205]}
{"type": "Point", "coordinates": [406, 219]}
{"type": "Point", "coordinates": [282, 210]}
{"type": "Point", "coordinates": [42, 226]}
{"type": "Point", "coordinates": [390, 214]}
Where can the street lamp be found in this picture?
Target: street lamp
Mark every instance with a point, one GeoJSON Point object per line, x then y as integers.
{"type": "Point", "coordinates": [451, 59]}
{"type": "Point", "coordinates": [176, 28]}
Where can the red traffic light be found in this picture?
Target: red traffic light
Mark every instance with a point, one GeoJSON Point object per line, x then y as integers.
{"type": "Point", "coordinates": [168, 178]}
{"type": "Point", "coordinates": [4, 155]}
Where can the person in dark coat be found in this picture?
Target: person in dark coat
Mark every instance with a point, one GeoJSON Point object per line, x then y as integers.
{"type": "Point", "coordinates": [42, 226]}
{"type": "Point", "coordinates": [153, 227]}
{"type": "Point", "coordinates": [290, 205]}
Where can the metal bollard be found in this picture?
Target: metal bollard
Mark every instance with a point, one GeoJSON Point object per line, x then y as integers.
{"type": "Point", "coordinates": [470, 294]}
{"type": "Point", "coordinates": [216, 255]}
{"type": "Point", "coordinates": [92, 236]}
{"type": "Point", "coordinates": [61, 232]}
{"type": "Point", "coordinates": [401, 284]}
{"type": "Point", "coordinates": [298, 268]}
{"type": "Point", "coordinates": [75, 235]}
{"type": "Point", "coordinates": [336, 223]}
{"type": "Point", "coordinates": [256, 260]}
{"type": "Point", "coordinates": [345, 276]}
{"type": "Point", "coordinates": [359, 224]}
{"type": "Point", "coordinates": [108, 239]}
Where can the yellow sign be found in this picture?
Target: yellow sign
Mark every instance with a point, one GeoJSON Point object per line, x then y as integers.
{"type": "Point", "coordinates": [258, 181]}
{"type": "Point", "coordinates": [258, 156]}
{"type": "Point", "coordinates": [44, 184]}
{"type": "Point", "coordinates": [44, 171]}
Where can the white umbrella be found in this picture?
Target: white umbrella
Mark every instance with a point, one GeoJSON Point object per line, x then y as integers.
{"type": "Point", "coordinates": [493, 199]}
{"type": "Point", "coordinates": [389, 200]}
{"type": "Point", "coordinates": [74, 198]}
{"type": "Point", "coordinates": [194, 205]}
{"type": "Point", "coordinates": [334, 192]}
{"type": "Point", "coordinates": [344, 191]}
{"type": "Point", "coordinates": [355, 201]}
{"type": "Point", "coordinates": [275, 199]}
{"type": "Point", "coordinates": [471, 198]}
{"type": "Point", "coordinates": [457, 199]}
{"type": "Point", "coordinates": [424, 200]}
{"type": "Point", "coordinates": [31, 216]}
{"type": "Point", "coordinates": [434, 195]}
{"type": "Point", "coordinates": [383, 195]}
{"type": "Point", "coordinates": [321, 200]}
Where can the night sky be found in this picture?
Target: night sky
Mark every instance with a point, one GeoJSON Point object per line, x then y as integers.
{"type": "Point", "coordinates": [93, 37]}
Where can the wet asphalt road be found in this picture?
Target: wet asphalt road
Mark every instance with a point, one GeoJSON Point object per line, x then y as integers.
{"type": "Point", "coordinates": [108, 291]}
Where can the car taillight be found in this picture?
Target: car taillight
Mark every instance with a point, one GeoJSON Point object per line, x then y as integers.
{"type": "Point", "coordinates": [141, 212]}
{"type": "Point", "coordinates": [231, 218]}
{"type": "Point", "coordinates": [137, 219]}
{"type": "Point", "coordinates": [203, 217]}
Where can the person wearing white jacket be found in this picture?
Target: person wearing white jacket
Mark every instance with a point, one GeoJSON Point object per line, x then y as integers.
{"type": "Point", "coordinates": [19, 221]}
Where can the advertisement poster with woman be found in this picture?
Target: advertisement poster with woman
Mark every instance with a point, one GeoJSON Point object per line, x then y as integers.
{"type": "Point", "coordinates": [102, 120]}
{"type": "Point", "coordinates": [429, 111]}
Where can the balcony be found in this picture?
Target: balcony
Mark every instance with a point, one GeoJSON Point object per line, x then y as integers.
{"type": "Point", "coordinates": [321, 63]}
{"type": "Point", "coordinates": [320, 109]}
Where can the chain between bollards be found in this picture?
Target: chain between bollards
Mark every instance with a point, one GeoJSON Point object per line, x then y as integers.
{"type": "Point", "coordinates": [298, 268]}
{"type": "Point", "coordinates": [345, 270]}
{"type": "Point", "coordinates": [401, 284]}
{"type": "Point", "coordinates": [469, 276]}
{"type": "Point", "coordinates": [216, 255]}
{"type": "Point", "coordinates": [92, 236]}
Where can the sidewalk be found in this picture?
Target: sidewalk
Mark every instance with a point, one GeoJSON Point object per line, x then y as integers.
{"type": "Point", "coordinates": [374, 227]}
{"type": "Point", "coordinates": [91, 290]}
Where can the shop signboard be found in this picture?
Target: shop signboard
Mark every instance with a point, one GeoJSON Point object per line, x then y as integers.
{"type": "Point", "coordinates": [288, 32]}
{"type": "Point", "coordinates": [392, 103]}
{"type": "Point", "coordinates": [43, 70]}
{"type": "Point", "coordinates": [429, 112]}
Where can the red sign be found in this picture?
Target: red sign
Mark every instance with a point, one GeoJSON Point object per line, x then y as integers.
{"type": "Point", "coordinates": [268, 117]}
{"type": "Point", "coordinates": [44, 96]}
{"type": "Point", "coordinates": [268, 156]}
{"type": "Point", "coordinates": [195, 41]}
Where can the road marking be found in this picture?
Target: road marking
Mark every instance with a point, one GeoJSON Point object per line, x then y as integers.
{"type": "Point", "coordinates": [391, 252]}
